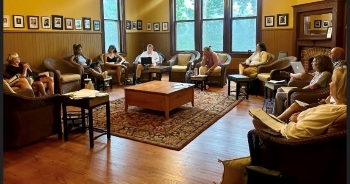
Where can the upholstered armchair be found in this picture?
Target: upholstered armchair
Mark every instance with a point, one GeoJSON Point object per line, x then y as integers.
{"type": "Point", "coordinates": [180, 63]}
{"type": "Point", "coordinates": [35, 90]}
{"type": "Point", "coordinates": [67, 75]}
{"type": "Point", "coordinates": [272, 71]}
{"type": "Point", "coordinates": [197, 56]}
{"type": "Point", "coordinates": [144, 74]}
{"type": "Point", "coordinates": [29, 119]}
{"type": "Point", "coordinates": [319, 159]}
{"type": "Point", "coordinates": [112, 71]}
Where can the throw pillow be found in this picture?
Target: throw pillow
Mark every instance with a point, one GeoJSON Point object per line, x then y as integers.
{"type": "Point", "coordinates": [6, 87]}
{"type": "Point", "coordinates": [183, 59]}
{"type": "Point", "coordinates": [234, 171]}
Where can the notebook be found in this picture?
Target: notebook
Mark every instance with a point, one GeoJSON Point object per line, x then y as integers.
{"type": "Point", "coordinates": [297, 67]}
{"type": "Point", "coordinates": [146, 60]}
{"type": "Point", "coordinates": [268, 119]}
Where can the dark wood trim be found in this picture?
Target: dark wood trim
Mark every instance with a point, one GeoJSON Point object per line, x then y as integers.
{"type": "Point", "coordinates": [198, 26]}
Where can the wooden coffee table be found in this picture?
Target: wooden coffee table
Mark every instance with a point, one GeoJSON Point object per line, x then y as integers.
{"type": "Point", "coordinates": [159, 95]}
{"type": "Point", "coordinates": [159, 70]}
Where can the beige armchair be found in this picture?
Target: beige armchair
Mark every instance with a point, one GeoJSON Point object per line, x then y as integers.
{"type": "Point", "coordinates": [67, 75]}
{"type": "Point", "coordinates": [113, 72]}
{"type": "Point", "coordinates": [272, 70]}
{"type": "Point", "coordinates": [180, 63]}
{"type": "Point", "coordinates": [218, 78]}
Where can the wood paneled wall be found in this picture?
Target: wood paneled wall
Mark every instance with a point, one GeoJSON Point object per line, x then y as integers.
{"type": "Point", "coordinates": [33, 47]}
{"type": "Point", "coordinates": [277, 40]}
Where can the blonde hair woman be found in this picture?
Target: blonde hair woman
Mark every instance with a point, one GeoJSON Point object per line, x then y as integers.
{"type": "Point", "coordinates": [23, 70]}
{"type": "Point", "coordinates": [210, 61]}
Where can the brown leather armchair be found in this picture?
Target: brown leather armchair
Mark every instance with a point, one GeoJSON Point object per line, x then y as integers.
{"type": "Point", "coordinates": [319, 159]}
{"type": "Point", "coordinates": [29, 119]}
{"type": "Point", "coordinates": [113, 72]}
{"type": "Point", "coordinates": [67, 75]}
{"type": "Point", "coordinates": [180, 63]}
{"type": "Point", "coordinates": [272, 71]}
{"type": "Point", "coordinates": [218, 78]}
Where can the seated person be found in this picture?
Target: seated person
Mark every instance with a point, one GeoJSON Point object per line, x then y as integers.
{"type": "Point", "coordinates": [210, 62]}
{"type": "Point", "coordinates": [110, 60]}
{"type": "Point", "coordinates": [323, 66]}
{"type": "Point", "coordinates": [16, 67]}
{"type": "Point", "coordinates": [249, 66]}
{"type": "Point", "coordinates": [314, 121]}
{"type": "Point", "coordinates": [90, 67]}
{"type": "Point", "coordinates": [140, 67]}
{"type": "Point", "coordinates": [337, 57]}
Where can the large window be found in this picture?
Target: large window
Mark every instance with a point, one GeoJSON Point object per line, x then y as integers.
{"type": "Point", "coordinates": [113, 27]}
{"type": "Point", "coordinates": [227, 25]}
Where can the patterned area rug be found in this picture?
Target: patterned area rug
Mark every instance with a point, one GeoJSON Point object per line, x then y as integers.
{"type": "Point", "coordinates": [185, 123]}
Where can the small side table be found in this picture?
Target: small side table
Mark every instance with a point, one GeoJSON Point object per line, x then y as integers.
{"type": "Point", "coordinates": [273, 87]}
{"type": "Point", "coordinates": [159, 70]}
{"type": "Point", "coordinates": [90, 104]}
{"type": "Point", "coordinates": [103, 82]}
{"type": "Point", "coordinates": [238, 79]}
{"type": "Point", "coordinates": [200, 78]}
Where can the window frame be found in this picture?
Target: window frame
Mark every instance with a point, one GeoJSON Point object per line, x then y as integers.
{"type": "Point", "coordinates": [122, 31]}
{"type": "Point", "coordinates": [198, 21]}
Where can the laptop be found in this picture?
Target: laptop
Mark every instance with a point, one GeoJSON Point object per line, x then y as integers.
{"type": "Point", "coordinates": [146, 60]}
{"type": "Point", "coordinates": [297, 67]}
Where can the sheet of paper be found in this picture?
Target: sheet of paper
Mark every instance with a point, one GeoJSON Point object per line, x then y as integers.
{"type": "Point", "coordinates": [287, 89]}
{"type": "Point", "coordinates": [266, 119]}
{"type": "Point", "coordinates": [276, 81]}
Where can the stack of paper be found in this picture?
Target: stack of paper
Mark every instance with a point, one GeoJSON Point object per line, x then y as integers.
{"type": "Point", "coordinates": [276, 81]}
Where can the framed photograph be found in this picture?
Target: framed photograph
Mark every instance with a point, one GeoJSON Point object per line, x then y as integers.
{"type": "Point", "coordinates": [317, 23]}
{"type": "Point", "coordinates": [18, 21]}
{"type": "Point", "coordinates": [329, 32]}
{"type": "Point", "coordinates": [45, 22]}
{"type": "Point", "coordinates": [164, 26]}
{"type": "Point", "coordinates": [149, 26]}
{"type": "Point", "coordinates": [57, 22]}
{"type": "Point", "coordinates": [86, 23]}
{"type": "Point", "coordinates": [6, 21]}
{"type": "Point", "coordinates": [139, 24]}
{"type": "Point", "coordinates": [69, 22]}
{"type": "Point", "coordinates": [133, 25]}
{"type": "Point", "coordinates": [96, 25]}
{"type": "Point", "coordinates": [156, 26]}
{"type": "Point", "coordinates": [128, 24]}
{"type": "Point", "coordinates": [269, 21]}
{"type": "Point", "coordinates": [33, 22]}
{"type": "Point", "coordinates": [77, 24]}
{"type": "Point", "coordinates": [282, 19]}
{"type": "Point", "coordinates": [326, 23]}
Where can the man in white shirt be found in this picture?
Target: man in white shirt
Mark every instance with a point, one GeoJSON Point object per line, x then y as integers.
{"type": "Point", "coordinates": [148, 53]}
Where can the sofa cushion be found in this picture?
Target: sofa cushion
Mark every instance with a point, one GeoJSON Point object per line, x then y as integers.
{"type": "Point", "coordinates": [183, 59]}
{"type": "Point", "coordinates": [264, 77]}
{"type": "Point", "coordinates": [223, 57]}
{"type": "Point", "coordinates": [234, 170]}
{"type": "Point", "coordinates": [177, 68]}
{"type": "Point", "coordinates": [6, 87]}
{"type": "Point", "coordinates": [112, 71]}
{"type": "Point", "coordinates": [69, 77]}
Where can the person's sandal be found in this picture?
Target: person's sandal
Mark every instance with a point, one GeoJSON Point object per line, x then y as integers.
{"type": "Point", "coordinates": [120, 83]}
{"type": "Point", "coordinates": [285, 74]}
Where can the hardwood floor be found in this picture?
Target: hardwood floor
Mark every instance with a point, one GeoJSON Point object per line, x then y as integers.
{"type": "Point", "coordinates": [129, 162]}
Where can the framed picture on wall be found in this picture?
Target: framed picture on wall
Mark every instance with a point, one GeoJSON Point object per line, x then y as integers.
{"type": "Point", "coordinates": [269, 21]}
{"type": "Point", "coordinates": [133, 25]}
{"type": "Point", "coordinates": [128, 24]}
{"type": "Point", "coordinates": [326, 23]}
{"type": "Point", "coordinates": [317, 23]}
{"type": "Point", "coordinates": [69, 22]}
{"type": "Point", "coordinates": [96, 25]}
{"type": "Point", "coordinates": [86, 23]}
{"type": "Point", "coordinates": [139, 24]}
{"type": "Point", "coordinates": [329, 32]}
{"type": "Point", "coordinates": [156, 26]}
{"type": "Point", "coordinates": [282, 19]}
{"type": "Point", "coordinates": [149, 26]}
{"type": "Point", "coordinates": [77, 24]}
{"type": "Point", "coordinates": [33, 22]}
{"type": "Point", "coordinates": [57, 22]}
{"type": "Point", "coordinates": [6, 21]}
{"type": "Point", "coordinates": [18, 21]}
{"type": "Point", "coordinates": [164, 26]}
{"type": "Point", "coordinates": [45, 22]}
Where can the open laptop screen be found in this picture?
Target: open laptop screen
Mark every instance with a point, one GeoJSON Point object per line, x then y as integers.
{"type": "Point", "coordinates": [146, 60]}
{"type": "Point", "coordinates": [297, 67]}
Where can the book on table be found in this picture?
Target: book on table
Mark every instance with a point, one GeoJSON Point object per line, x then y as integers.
{"type": "Point", "coordinates": [268, 119]}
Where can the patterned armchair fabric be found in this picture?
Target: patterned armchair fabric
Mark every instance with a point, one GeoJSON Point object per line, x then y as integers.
{"type": "Point", "coordinates": [67, 75]}
{"type": "Point", "coordinates": [29, 119]}
{"type": "Point", "coordinates": [180, 63]}
{"type": "Point", "coordinates": [320, 159]}
{"type": "Point", "coordinates": [218, 77]}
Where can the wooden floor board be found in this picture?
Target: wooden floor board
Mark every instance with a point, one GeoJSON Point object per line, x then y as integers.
{"type": "Point", "coordinates": [125, 161]}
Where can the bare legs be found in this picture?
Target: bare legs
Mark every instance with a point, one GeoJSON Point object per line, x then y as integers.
{"type": "Point", "coordinates": [290, 111]}
{"type": "Point", "coordinates": [40, 86]}
{"type": "Point", "coordinates": [240, 68]}
{"type": "Point", "coordinates": [301, 76]}
{"type": "Point", "coordinates": [50, 83]}
{"type": "Point", "coordinates": [22, 84]}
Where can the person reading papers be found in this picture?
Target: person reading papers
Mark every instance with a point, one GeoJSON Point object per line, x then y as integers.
{"type": "Point", "coordinates": [313, 121]}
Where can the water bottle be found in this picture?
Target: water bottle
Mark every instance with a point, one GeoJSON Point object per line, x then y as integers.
{"type": "Point", "coordinates": [195, 71]}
